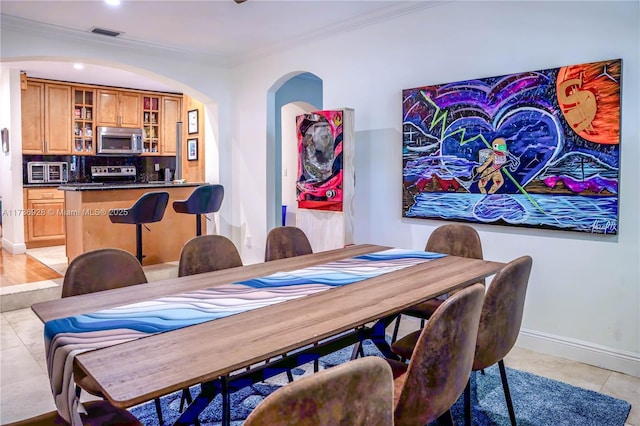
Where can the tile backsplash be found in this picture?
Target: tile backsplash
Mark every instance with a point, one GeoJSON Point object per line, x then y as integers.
{"type": "Point", "coordinates": [80, 165]}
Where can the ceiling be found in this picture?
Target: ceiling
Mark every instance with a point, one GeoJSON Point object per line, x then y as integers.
{"type": "Point", "coordinates": [221, 29]}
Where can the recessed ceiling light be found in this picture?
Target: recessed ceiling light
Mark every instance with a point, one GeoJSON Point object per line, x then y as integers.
{"type": "Point", "coordinates": [78, 66]}
{"type": "Point", "coordinates": [112, 2]}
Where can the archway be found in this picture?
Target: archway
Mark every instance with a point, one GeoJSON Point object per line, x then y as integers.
{"type": "Point", "coordinates": [297, 87]}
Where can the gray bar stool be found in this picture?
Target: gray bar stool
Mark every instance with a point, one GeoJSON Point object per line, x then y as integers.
{"type": "Point", "coordinates": [204, 199]}
{"type": "Point", "coordinates": [148, 209]}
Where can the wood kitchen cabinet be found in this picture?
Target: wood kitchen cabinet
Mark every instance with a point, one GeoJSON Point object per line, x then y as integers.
{"type": "Point", "coordinates": [46, 118]}
{"type": "Point", "coordinates": [44, 218]}
{"type": "Point", "coordinates": [171, 114]}
{"type": "Point", "coordinates": [118, 108]}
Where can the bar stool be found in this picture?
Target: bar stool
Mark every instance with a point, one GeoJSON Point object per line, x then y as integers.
{"type": "Point", "coordinates": [204, 199]}
{"type": "Point", "coordinates": [148, 209]}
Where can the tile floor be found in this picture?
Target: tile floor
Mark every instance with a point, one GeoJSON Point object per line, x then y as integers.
{"type": "Point", "coordinates": [24, 385]}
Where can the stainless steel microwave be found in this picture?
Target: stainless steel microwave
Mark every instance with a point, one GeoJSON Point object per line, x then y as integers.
{"type": "Point", "coordinates": [118, 141]}
{"type": "Point", "coordinates": [47, 172]}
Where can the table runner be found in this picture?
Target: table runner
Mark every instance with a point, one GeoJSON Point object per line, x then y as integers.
{"type": "Point", "coordinates": [67, 337]}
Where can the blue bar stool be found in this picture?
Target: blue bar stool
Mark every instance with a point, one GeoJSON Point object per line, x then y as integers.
{"type": "Point", "coordinates": [204, 199]}
{"type": "Point", "coordinates": [148, 209]}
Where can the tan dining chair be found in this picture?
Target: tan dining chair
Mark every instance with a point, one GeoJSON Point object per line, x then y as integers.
{"type": "Point", "coordinates": [455, 239]}
{"type": "Point", "coordinates": [286, 241]}
{"type": "Point", "coordinates": [499, 325]}
{"type": "Point", "coordinates": [99, 270]}
{"type": "Point", "coordinates": [440, 364]}
{"type": "Point", "coordinates": [207, 253]}
{"type": "Point", "coordinates": [356, 393]}
{"type": "Point", "coordinates": [99, 413]}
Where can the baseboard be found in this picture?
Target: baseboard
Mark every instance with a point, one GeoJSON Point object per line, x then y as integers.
{"type": "Point", "coordinates": [13, 248]}
{"type": "Point", "coordinates": [576, 350]}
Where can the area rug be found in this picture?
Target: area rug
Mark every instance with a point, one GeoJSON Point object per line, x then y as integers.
{"type": "Point", "coordinates": [538, 401]}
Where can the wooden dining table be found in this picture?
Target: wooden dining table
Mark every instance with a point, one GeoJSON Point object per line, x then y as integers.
{"type": "Point", "coordinates": [211, 352]}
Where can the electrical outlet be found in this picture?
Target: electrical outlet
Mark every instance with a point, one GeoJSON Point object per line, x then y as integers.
{"type": "Point", "coordinates": [72, 167]}
{"type": "Point", "coordinates": [248, 241]}
{"type": "Point", "coordinates": [156, 167]}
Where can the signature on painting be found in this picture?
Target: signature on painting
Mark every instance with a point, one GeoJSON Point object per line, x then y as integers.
{"type": "Point", "coordinates": [603, 226]}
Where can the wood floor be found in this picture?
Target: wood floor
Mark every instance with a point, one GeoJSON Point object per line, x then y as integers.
{"type": "Point", "coordinates": [22, 268]}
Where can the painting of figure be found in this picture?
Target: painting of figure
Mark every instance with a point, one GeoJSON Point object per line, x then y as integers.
{"type": "Point", "coordinates": [536, 149]}
{"type": "Point", "coordinates": [320, 174]}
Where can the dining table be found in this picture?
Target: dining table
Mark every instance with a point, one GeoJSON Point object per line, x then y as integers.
{"type": "Point", "coordinates": [228, 351]}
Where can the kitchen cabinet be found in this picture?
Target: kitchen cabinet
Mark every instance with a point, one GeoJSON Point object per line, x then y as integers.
{"type": "Point", "coordinates": [44, 217]}
{"type": "Point", "coordinates": [171, 114]}
{"type": "Point", "coordinates": [46, 118]}
{"type": "Point", "coordinates": [33, 118]}
{"type": "Point", "coordinates": [83, 115]}
{"type": "Point", "coordinates": [150, 122]}
{"type": "Point", "coordinates": [118, 108]}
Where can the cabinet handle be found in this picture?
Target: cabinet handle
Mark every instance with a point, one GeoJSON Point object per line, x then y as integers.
{"type": "Point", "coordinates": [47, 195]}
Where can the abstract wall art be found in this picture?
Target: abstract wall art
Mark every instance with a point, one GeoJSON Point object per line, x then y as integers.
{"type": "Point", "coordinates": [536, 149]}
{"type": "Point", "coordinates": [320, 172]}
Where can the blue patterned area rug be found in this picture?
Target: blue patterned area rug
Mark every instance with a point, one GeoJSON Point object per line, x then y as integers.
{"type": "Point", "coordinates": [538, 401]}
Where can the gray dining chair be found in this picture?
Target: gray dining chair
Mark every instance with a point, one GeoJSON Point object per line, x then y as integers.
{"type": "Point", "coordinates": [455, 239]}
{"type": "Point", "coordinates": [99, 413]}
{"type": "Point", "coordinates": [499, 326]}
{"type": "Point", "coordinates": [99, 270]}
{"type": "Point", "coordinates": [440, 363]}
{"type": "Point", "coordinates": [356, 393]}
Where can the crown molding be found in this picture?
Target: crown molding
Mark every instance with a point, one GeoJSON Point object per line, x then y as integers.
{"type": "Point", "coordinates": [393, 11]}
{"type": "Point", "coordinates": [121, 42]}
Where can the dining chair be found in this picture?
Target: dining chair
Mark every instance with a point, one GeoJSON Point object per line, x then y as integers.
{"type": "Point", "coordinates": [499, 326]}
{"type": "Point", "coordinates": [440, 364]}
{"type": "Point", "coordinates": [99, 413]}
{"type": "Point", "coordinates": [455, 239]}
{"type": "Point", "coordinates": [356, 393]}
{"type": "Point", "coordinates": [99, 270]}
{"type": "Point", "coordinates": [286, 241]}
{"type": "Point", "coordinates": [207, 253]}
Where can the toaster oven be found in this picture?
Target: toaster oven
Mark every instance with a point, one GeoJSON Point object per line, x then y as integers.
{"type": "Point", "coordinates": [47, 172]}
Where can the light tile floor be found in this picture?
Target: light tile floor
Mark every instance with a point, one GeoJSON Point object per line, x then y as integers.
{"type": "Point", "coordinates": [24, 386]}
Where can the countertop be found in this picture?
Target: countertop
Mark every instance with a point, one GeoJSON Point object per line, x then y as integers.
{"type": "Point", "coordinates": [136, 185]}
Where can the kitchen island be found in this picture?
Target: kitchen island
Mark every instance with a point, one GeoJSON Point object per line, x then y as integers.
{"type": "Point", "coordinates": [88, 226]}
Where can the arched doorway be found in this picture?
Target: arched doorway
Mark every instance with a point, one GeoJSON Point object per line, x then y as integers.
{"type": "Point", "coordinates": [305, 90]}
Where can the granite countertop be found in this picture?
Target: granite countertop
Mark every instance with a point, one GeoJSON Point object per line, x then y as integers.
{"type": "Point", "coordinates": [137, 185]}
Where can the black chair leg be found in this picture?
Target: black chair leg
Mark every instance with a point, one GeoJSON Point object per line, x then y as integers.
{"type": "Point", "coordinates": [467, 404]}
{"type": "Point", "coordinates": [396, 328]}
{"type": "Point", "coordinates": [158, 410]}
{"type": "Point", "coordinates": [139, 242]}
{"type": "Point", "coordinates": [446, 419]}
{"type": "Point", "coordinates": [507, 394]}
{"type": "Point", "coordinates": [289, 376]}
{"type": "Point", "coordinates": [198, 225]}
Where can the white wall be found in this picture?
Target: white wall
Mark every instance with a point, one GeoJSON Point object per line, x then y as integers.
{"type": "Point", "coordinates": [11, 165]}
{"type": "Point", "coordinates": [583, 299]}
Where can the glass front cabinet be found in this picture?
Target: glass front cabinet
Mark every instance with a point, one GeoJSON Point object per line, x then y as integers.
{"type": "Point", "coordinates": [83, 116]}
{"type": "Point", "coordinates": [150, 116]}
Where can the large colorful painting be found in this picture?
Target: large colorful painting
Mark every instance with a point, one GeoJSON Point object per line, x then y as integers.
{"type": "Point", "coordinates": [320, 174]}
{"type": "Point", "coordinates": [537, 149]}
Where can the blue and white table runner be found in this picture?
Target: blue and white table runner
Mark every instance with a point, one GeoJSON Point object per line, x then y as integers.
{"type": "Point", "coordinates": [67, 337]}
